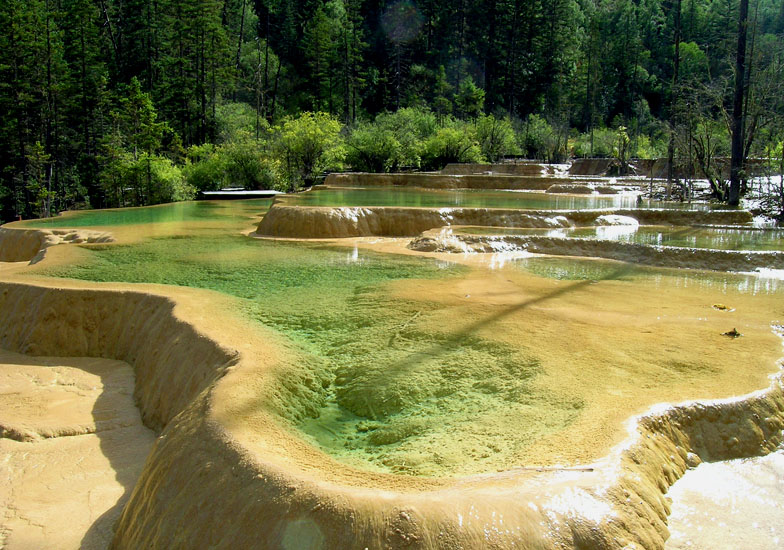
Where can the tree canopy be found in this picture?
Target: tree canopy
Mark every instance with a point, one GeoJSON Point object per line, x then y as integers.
{"type": "Point", "coordinates": [111, 103]}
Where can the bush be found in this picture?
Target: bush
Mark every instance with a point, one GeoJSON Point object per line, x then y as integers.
{"type": "Point", "coordinates": [371, 148]}
{"type": "Point", "coordinates": [604, 144]}
{"type": "Point", "coordinates": [151, 179]}
{"type": "Point", "coordinates": [204, 167]}
{"type": "Point", "coordinates": [237, 164]}
{"type": "Point", "coordinates": [496, 137]}
{"type": "Point", "coordinates": [539, 140]}
{"type": "Point", "coordinates": [451, 144]}
{"type": "Point", "coordinates": [245, 165]}
{"type": "Point", "coordinates": [308, 145]}
{"type": "Point", "coordinates": [647, 148]}
{"type": "Point", "coordinates": [410, 127]}
{"type": "Point", "coordinates": [168, 182]}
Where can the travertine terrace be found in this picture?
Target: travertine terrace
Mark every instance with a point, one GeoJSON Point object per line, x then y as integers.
{"type": "Point", "coordinates": [224, 394]}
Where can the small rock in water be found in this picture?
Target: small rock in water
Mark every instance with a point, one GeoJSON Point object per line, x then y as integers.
{"type": "Point", "coordinates": [732, 333]}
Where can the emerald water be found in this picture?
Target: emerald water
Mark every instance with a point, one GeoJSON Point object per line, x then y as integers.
{"type": "Point", "coordinates": [466, 198]}
{"type": "Point", "coordinates": [176, 212]}
{"type": "Point", "coordinates": [689, 237]}
{"type": "Point", "coordinates": [408, 357]}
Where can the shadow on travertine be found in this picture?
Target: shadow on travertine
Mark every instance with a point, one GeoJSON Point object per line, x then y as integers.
{"type": "Point", "coordinates": [74, 446]}
{"type": "Point", "coordinates": [126, 449]}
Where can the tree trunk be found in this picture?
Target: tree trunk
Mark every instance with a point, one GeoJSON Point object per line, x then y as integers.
{"type": "Point", "coordinates": [676, 62]}
{"type": "Point", "coordinates": [736, 162]}
{"type": "Point", "coordinates": [239, 46]}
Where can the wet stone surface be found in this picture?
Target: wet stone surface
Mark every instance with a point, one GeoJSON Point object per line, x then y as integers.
{"type": "Point", "coordinates": [729, 505]}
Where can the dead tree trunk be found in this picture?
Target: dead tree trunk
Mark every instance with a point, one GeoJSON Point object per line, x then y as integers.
{"type": "Point", "coordinates": [736, 162]}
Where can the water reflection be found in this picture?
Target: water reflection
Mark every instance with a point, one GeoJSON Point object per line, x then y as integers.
{"type": "Point", "coordinates": [763, 282]}
{"type": "Point", "coordinates": [469, 198]}
{"type": "Point", "coordinates": [717, 238]}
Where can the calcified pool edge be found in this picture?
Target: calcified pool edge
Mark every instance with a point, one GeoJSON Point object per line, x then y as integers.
{"type": "Point", "coordinates": [444, 240]}
{"type": "Point", "coordinates": [311, 222]}
{"type": "Point", "coordinates": [227, 472]}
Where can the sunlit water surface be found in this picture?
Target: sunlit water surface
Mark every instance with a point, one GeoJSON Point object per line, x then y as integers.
{"type": "Point", "coordinates": [689, 237]}
{"type": "Point", "coordinates": [729, 506]}
{"type": "Point", "coordinates": [439, 368]}
{"type": "Point", "coordinates": [468, 198]}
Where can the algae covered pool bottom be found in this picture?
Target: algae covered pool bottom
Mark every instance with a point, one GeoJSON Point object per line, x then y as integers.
{"type": "Point", "coordinates": [181, 213]}
{"type": "Point", "coordinates": [428, 367]}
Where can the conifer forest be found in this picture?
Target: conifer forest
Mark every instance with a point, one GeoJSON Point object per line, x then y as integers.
{"type": "Point", "coordinates": [111, 103]}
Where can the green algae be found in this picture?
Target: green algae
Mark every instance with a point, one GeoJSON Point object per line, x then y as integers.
{"type": "Point", "coordinates": [177, 212]}
{"type": "Point", "coordinates": [396, 388]}
{"type": "Point", "coordinates": [401, 385]}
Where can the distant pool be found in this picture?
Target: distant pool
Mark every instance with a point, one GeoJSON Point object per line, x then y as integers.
{"type": "Point", "coordinates": [688, 237]}
{"type": "Point", "coordinates": [467, 198]}
{"type": "Point", "coordinates": [188, 211]}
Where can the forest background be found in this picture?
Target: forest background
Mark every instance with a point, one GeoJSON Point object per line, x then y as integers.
{"type": "Point", "coordinates": [131, 102]}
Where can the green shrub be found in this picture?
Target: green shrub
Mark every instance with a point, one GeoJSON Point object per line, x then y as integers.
{"type": "Point", "coordinates": [538, 139]}
{"type": "Point", "coordinates": [604, 144]}
{"type": "Point", "coordinates": [450, 144]}
{"type": "Point", "coordinates": [647, 148]}
{"type": "Point", "coordinates": [204, 167]}
{"type": "Point", "coordinates": [496, 137]}
{"type": "Point", "coordinates": [371, 148]}
{"type": "Point", "coordinates": [246, 166]}
{"type": "Point", "coordinates": [308, 145]}
{"type": "Point", "coordinates": [236, 164]}
{"type": "Point", "coordinates": [410, 126]}
{"type": "Point", "coordinates": [168, 182]}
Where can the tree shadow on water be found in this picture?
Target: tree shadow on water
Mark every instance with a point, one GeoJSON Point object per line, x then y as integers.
{"type": "Point", "coordinates": [456, 339]}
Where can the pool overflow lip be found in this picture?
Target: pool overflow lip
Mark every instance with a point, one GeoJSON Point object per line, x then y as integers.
{"type": "Point", "coordinates": [615, 502]}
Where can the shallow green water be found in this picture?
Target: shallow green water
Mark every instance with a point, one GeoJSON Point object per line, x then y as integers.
{"type": "Point", "coordinates": [183, 212]}
{"type": "Point", "coordinates": [389, 385]}
{"type": "Point", "coordinates": [396, 377]}
{"type": "Point", "coordinates": [689, 237]}
{"type": "Point", "coordinates": [438, 198]}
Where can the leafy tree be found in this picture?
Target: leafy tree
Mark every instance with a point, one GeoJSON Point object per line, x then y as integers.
{"type": "Point", "coordinates": [456, 143]}
{"type": "Point", "coordinates": [307, 145]}
{"type": "Point", "coordinates": [496, 137]}
{"type": "Point", "coordinates": [372, 148]}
